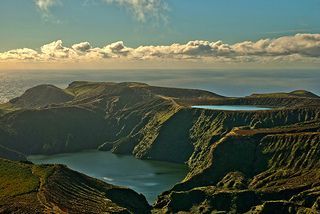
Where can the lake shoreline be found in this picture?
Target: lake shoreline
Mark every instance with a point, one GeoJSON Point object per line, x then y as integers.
{"type": "Point", "coordinates": [147, 177]}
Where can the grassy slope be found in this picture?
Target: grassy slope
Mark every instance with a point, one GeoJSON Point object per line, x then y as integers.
{"type": "Point", "coordinates": [27, 188]}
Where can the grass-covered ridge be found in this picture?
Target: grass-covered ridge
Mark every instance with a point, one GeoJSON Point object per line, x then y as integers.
{"type": "Point", "coordinates": [16, 179]}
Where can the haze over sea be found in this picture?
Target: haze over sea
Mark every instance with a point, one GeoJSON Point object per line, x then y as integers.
{"type": "Point", "coordinates": [224, 82]}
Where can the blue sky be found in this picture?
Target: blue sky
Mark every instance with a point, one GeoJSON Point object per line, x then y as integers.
{"type": "Point", "coordinates": [159, 33]}
{"type": "Point", "coordinates": [25, 25]}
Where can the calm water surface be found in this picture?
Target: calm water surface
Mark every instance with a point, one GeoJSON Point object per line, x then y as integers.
{"type": "Point", "coordinates": [147, 177]}
{"type": "Point", "coordinates": [232, 108]}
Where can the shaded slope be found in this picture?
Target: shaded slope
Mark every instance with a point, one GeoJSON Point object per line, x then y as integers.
{"type": "Point", "coordinates": [168, 139]}
{"type": "Point", "coordinates": [11, 154]}
{"type": "Point", "coordinates": [53, 130]}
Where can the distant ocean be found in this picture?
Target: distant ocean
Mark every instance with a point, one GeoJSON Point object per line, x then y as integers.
{"type": "Point", "coordinates": [224, 82]}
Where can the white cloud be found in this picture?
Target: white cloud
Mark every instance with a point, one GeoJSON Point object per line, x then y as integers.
{"type": "Point", "coordinates": [44, 5]}
{"type": "Point", "coordinates": [300, 47]}
{"type": "Point", "coordinates": [82, 47]}
{"type": "Point", "coordinates": [19, 54]}
{"type": "Point", "coordinates": [303, 44]}
{"type": "Point", "coordinates": [55, 50]}
{"type": "Point", "coordinates": [118, 49]}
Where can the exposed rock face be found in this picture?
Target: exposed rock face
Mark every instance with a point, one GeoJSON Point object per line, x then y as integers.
{"type": "Point", "coordinates": [28, 188]}
{"type": "Point", "coordinates": [240, 161]}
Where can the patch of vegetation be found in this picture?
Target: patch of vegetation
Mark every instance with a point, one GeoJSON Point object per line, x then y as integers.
{"type": "Point", "coordinates": [16, 179]}
{"type": "Point", "coordinates": [6, 108]}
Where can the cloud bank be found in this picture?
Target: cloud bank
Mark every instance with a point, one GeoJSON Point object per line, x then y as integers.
{"type": "Point", "coordinates": [141, 9]}
{"type": "Point", "coordinates": [304, 48]}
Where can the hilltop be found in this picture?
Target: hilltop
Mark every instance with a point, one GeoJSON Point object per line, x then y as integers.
{"type": "Point", "coordinates": [41, 96]}
{"type": "Point", "coordinates": [296, 93]}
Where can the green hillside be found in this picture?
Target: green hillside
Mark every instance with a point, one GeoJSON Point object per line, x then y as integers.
{"type": "Point", "coordinates": [28, 188]}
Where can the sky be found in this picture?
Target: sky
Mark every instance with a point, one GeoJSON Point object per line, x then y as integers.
{"type": "Point", "coordinates": [99, 34]}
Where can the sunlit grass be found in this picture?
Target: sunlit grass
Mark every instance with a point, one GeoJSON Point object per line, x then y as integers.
{"type": "Point", "coordinates": [16, 179]}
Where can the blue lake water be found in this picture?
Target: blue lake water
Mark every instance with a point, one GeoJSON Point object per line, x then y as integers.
{"type": "Point", "coordinates": [232, 108]}
{"type": "Point", "coordinates": [144, 176]}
